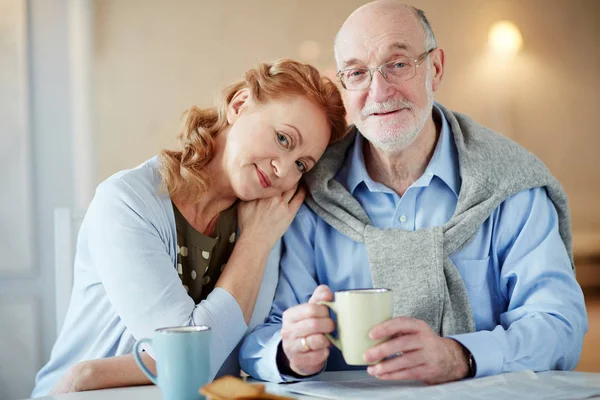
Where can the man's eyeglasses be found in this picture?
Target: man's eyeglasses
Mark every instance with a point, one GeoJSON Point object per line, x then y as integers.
{"type": "Point", "coordinates": [395, 71]}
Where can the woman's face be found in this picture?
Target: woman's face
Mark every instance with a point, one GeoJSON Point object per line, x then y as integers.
{"type": "Point", "coordinates": [270, 146]}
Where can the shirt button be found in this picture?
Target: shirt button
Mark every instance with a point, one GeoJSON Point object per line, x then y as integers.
{"type": "Point", "coordinates": [403, 219]}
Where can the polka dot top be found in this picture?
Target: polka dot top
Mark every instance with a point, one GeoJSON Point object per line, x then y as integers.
{"type": "Point", "coordinates": [201, 258]}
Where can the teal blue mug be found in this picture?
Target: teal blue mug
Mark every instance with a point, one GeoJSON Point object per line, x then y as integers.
{"type": "Point", "coordinates": [182, 361]}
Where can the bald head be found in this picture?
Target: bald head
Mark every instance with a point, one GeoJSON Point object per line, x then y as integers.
{"type": "Point", "coordinates": [383, 17]}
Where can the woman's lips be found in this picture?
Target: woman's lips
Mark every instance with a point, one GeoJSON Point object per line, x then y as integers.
{"type": "Point", "coordinates": [263, 178]}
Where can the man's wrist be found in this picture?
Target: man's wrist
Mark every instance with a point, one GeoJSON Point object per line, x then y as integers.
{"type": "Point", "coordinates": [466, 367]}
{"type": "Point", "coordinates": [469, 360]}
{"type": "Point", "coordinates": [283, 363]}
{"type": "Point", "coordinates": [284, 367]}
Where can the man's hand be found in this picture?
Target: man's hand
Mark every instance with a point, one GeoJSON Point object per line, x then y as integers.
{"type": "Point", "coordinates": [303, 333]}
{"type": "Point", "coordinates": [418, 353]}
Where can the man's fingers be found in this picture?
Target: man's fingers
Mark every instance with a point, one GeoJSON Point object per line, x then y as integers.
{"type": "Point", "coordinates": [398, 326]}
{"type": "Point", "coordinates": [313, 343]}
{"type": "Point", "coordinates": [304, 311]}
{"type": "Point", "coordinates": [309, 363]}
{"type": "Point", "coordinates": [411, 374]}
{"type": "Point", "coordinates": [393, 346]}
{"type": "Point", "coordinates": [307, 327]}
{"type": "Point", "coordinates": [321, 293]}
{"type": "Point", "coordinates": [405, 361]}
{"type": "Point", "coordinates": [317, 342]}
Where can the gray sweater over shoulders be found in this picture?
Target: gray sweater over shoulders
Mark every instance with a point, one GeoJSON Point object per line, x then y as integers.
{"type": "Point", "coordinates": [416, 265]}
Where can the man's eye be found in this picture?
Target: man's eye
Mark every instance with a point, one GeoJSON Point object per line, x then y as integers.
{"type": "Point", "coordinates": [355, 74]}
{"type": "Point", "coordinates": [283, 140]}
{"type": "Point", "coordinates": [301, 166]}
{"type": "Point", "coordinates": [399, 64]}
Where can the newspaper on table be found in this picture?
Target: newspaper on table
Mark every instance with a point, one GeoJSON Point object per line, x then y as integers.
{"type": "Point", "coordinates": [552, 385]}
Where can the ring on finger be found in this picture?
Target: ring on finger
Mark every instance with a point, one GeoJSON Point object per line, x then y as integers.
{"type": "Point", "coordinates": [305, 345]}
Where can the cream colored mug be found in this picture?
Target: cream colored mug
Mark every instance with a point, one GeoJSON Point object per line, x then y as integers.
{"type": "Point", "coordinates": [357, 312]}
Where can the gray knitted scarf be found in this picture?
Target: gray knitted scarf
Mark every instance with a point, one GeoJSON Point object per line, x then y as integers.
{"type": "Point", "coordinates": [416, 265]}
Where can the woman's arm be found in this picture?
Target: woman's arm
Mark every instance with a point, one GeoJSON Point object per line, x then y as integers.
{"type": "Point", "coordinates": [104, 373]}
{"type": "Point", "coordinates": [262, 223]}
{"type": "Point", "coordinates": [141, 283]}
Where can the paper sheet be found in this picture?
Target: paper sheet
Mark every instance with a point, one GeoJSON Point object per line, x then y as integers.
{"type": "Point", "coordinates": [517, 385]}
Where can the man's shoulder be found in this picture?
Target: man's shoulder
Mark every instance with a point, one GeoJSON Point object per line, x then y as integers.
{"type": "Point", "coordinates": [306, 217]}
{"type": "Point", "coordinates": [494, 158]}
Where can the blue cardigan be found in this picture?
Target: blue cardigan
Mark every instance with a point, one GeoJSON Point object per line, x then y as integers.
{"type": "Point", "coordinates": [126, 283]}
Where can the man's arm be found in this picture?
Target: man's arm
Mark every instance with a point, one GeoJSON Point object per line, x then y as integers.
{"type": "Point", "coordinates": [545, 321]}
{"type": "Point", "coordinates": [297, 281]}
{"type": "Point", "coordinates": [542, 327]}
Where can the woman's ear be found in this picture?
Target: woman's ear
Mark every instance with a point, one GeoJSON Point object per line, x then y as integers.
{"type": "Point", "coordinates": [236, 105]}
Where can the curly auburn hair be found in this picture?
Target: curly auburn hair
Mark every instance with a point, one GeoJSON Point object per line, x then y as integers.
{"type": "Point", "coordinates": [182, 171]}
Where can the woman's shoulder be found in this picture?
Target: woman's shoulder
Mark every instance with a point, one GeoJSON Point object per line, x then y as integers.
{"type": "Point", "coordinates": [138, 190]}
{"type": "Point", "coordinates": [143, 180]}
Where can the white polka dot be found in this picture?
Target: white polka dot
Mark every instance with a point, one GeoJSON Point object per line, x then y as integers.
{"type": "Point", "coordinates": [205, 254]}
{"type": "Point", "coordinates": [193, 275]}
{"type": "Point", "coordinates": [232, 238]}
{"type": "Point", "coordinates": [180, 269]}
{"type": "Point", "coordinates": [178, 249]}
{"type": "Point", "coordinates": [205, 280]}
{"type": "Point", "coordinates": [187, 289]}
{"type": "Point", "coordinates": [184, 251]}
{"type": "Point", "coordinates": [206, 269]}
{"type": "Point", "coordinates": [223, 267]}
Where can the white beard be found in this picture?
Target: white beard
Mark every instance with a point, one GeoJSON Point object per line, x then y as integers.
{"type": "Point", "coordinates": [387, 137]}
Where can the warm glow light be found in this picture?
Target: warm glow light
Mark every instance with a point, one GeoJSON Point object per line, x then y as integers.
{"type": "Point", "coordinates": [505, 38]}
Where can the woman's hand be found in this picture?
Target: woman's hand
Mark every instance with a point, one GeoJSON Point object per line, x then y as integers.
{"type": "Point", "coordinates": [268, 219]}
{"type": "Point", "coordinates": [73, 380]}
{"type": "Point", "coordinates": [104, 373]}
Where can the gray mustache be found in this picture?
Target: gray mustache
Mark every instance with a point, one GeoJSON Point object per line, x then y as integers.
{"type": "Point", "coordinates": [385, 107]}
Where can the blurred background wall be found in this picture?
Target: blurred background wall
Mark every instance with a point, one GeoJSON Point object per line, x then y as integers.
{"type": "Point", "coordinates": [92, 87]}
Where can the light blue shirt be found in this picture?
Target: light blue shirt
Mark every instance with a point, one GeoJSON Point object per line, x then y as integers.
{"type": "Point", "coordinates": [126, 283]}
{"type": "Point", "coordinates": [528, 308]}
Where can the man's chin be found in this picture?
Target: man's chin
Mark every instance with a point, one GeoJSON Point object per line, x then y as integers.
{"type": "Point", "coordinates": [390, 140]}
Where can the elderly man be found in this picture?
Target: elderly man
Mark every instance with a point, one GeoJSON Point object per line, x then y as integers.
{"type": "Point", "coordinates": [469, 229]}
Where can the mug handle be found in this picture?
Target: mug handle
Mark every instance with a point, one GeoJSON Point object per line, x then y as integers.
{"type": "Point", "coordinates": [140, 363]}
{"type": "Point", "coordinates": [336, 342]}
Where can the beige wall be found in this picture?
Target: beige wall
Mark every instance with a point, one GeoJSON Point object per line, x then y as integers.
{"type": "Point", "coordinates": [155, 58]}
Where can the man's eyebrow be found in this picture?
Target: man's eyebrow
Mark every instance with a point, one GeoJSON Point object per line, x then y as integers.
{"type": "Point", "coordinates": [350, 62]}
{"type": "Point", "coordinates": [398, 46]}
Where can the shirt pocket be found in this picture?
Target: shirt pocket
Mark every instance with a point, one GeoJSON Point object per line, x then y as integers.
{"type": "Point", "coordinates": [473, 272]}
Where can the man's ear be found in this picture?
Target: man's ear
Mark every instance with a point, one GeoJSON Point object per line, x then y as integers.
{"type": "Point", "coordinates": [236, 105]}
{"type": "Point", "coordinates": [437, 68]}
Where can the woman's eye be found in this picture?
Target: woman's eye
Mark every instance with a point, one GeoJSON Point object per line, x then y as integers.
{"type": "Point", "coordinates": [301, 167]}
{"type": "Point", "coordinates": [283, 140]}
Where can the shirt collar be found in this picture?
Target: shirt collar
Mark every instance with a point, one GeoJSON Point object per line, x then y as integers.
{"type": "Point", "coordinates": [443, 164]}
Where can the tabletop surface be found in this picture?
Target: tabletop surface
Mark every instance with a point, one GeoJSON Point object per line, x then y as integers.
{"type": "Point", "coordinates": [153, 393]}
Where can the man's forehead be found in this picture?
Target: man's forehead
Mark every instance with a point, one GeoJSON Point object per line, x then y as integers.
{"type": "Point", "coordinates": [354, 50]}
{"type": "Point", "coordinates": [361, 37]}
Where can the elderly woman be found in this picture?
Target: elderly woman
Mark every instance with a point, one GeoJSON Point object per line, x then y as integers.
{"type": "Point", "coordinates": [184, 238]}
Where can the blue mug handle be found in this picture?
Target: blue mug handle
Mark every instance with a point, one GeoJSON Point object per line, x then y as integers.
{"type": "Point", "coordinates": [140, 363]}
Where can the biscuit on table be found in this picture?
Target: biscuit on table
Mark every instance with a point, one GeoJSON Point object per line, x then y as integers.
{"type": "Point", "coordinates": [230, 387]}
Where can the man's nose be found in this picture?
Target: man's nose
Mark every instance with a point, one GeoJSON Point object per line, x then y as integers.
{"type": "Point", "coordinates": [380, 89]}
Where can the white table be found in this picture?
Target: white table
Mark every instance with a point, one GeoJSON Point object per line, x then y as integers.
{"type": "Point", "coordinates": [153, 393]}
